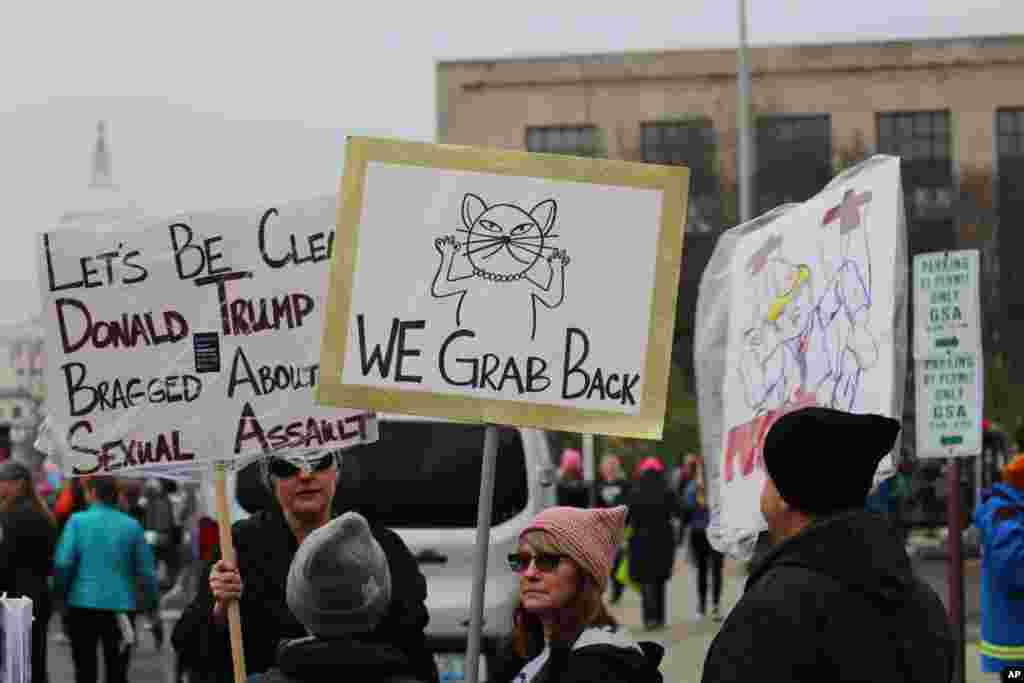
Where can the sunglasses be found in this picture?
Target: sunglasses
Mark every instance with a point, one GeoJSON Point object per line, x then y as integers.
{"type": "Point", "coordinates": [545, 562]}
{"type": "Point", "coordinates": [282, 469]}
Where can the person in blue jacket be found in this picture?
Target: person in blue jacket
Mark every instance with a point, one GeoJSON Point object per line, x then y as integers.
{"type": "Point", "coordinates": [102, 556]}
{"type": "Point", "coordinates": [1000, 519]}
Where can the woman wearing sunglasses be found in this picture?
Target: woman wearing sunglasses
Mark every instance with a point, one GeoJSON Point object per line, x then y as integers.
{"type": "Point", "coordinates": [561, 624]}
{"type": "Point", "coordinates": [302, 491]}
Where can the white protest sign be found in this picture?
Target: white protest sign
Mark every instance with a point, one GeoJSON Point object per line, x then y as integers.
{"type": "Point", "coordinates": [949, 401]}
{"type": "Point", "coordinates": [798, 308]}
{"type": "Point", "coordinates": [504, 287]}
{"type": "Point", "coordinates": [191, 340]}
{"type": "Point", "coordinates": [947, 315]}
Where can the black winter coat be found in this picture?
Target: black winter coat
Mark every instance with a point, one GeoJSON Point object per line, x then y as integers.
{"type": "Point", "coordinates": [265, 546]}
{"type": "Point", "coordinates": [837, 602]}
{"type": "Point", "coordinates": [573, 493]}
{"type": "Point", "coordinates": [652, 548]}
{"type": "Point", "coordinates": [599, 654]}
{"type": "Point", "coordinates": [27, 543]}
{"type": "Point", "coordinates": [311, 660]}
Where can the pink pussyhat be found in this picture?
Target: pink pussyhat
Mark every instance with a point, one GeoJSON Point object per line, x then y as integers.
{"type": "Point", "coordinates": [571, 461]}
{"type": "Point", "coordinates": [650, 463]}
{"type": "Point", "coordinates": [590, 537]}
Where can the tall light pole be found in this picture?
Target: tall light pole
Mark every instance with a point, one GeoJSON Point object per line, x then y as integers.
{"type": "Point", "coordinates": [745, 146]}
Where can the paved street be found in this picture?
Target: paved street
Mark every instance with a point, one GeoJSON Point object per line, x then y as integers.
{"type": "Point", "coordinates": [148, 665]}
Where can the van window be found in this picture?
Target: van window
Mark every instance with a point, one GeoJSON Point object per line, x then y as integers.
{"type": "Point", "coordinates": [427, 474]}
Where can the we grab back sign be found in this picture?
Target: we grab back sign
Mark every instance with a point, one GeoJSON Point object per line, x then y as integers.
{"type": "Point", "coordinates": [504, 287]}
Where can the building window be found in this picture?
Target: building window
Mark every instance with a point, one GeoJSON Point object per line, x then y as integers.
{"type": "Point", "coordinates": [923, 140]}
{"type": "Point", "coordinates": [1010, 206]}
{"type": "Point", "coordinates": [686, 143]}
{"type": "Point", "coordinates": [17, 412]}
{"type": "Point", "coordinates": [794, 158]}
{"type": "Point", "coordinates": [689, 143]}
{"type": "Point", "coordinates": [915, 135]}
{"type": "Point", "coordinates": [580, 141]}
{"type": "Point", "coordinates": [1010, 132]}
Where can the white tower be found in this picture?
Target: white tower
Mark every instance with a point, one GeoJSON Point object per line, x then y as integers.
{"type": "Point", "coordinates": [102, 205]}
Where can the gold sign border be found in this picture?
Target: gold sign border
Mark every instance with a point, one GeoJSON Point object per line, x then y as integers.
{"type": "Point", "coordinates": [672, 181]}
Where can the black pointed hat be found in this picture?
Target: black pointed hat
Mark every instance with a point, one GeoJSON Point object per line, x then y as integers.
{"type": "Point", "coordinates": [804, 444]}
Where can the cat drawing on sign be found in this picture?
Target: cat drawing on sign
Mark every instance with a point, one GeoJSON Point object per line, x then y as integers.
{"type": "Point", "coordinates": [504, 266]}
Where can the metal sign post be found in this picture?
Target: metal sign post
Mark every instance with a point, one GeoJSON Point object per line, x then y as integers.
{"type": "Point", "coordinates": [483, 542]}
{"type": "Point", "coordinates": [956, 565]}
{"type": "Point", "coordinates": [589, 477]}
{"type": "Point", "coordinates": [950, 384]}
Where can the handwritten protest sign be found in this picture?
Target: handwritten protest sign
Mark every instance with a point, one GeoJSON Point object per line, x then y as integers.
{"type": "Point", "coordinates": [504, 287]}
{"type": "Point", "coordinates": [800, 307]}
{"type": "Point", "coordinates": [191, 340]}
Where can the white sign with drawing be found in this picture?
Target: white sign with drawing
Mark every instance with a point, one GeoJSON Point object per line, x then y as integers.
{"type": "Point", "coordinates": [811, 323]}
{"type": "Point", "coordinates": [482, 275]}
{"type": "Point", "coordinates": [508, 292]}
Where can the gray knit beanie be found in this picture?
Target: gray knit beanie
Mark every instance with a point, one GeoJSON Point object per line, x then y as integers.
{"type": "Point", "coordinates": [339, 581]}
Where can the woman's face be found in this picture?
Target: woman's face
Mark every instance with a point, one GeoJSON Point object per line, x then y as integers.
{"type": "Point", "coordinates": [307, 493]}
{"type": "Point", "coordinates": [545, 589]}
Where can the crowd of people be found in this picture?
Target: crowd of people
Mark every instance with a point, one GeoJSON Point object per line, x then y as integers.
{"type": "Point", "coordinates": [666, 509]}
{"type": "Point", "coordinates": [90, 555]}
{"type": "Point", "coordinates": [322, 589]}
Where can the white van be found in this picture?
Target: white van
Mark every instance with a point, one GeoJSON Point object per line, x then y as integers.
{"type": "Point", "coordinates": [422, 479]}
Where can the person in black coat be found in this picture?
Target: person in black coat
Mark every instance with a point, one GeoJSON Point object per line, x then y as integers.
{"type": "Point", "coordinates": [836, 598]}
{"type": "Point", "coordinates": [265, 544]}
{"type": "Point", "coordinates": [28, 537]}
{"type": "Point", "coordinates": [652, 547]}
{"type": "Point", "coordinates": [571, 489]}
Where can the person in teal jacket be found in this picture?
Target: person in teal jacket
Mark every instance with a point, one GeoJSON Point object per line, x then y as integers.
{"type": "Point", "coordinates": [102, 556]}
{"type": "Point", "coordinates": [1000, 518]}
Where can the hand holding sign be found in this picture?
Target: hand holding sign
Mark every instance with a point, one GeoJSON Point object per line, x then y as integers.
{"type": "Point", "coordinates": [226, 586]}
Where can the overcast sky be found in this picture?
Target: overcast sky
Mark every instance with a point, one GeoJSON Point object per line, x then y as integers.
{"type": "Point", "coordinates": [228, 103]}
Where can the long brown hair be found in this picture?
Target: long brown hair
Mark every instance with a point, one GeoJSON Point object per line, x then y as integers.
{"type": "Point", "coordinates": [27, 490]}
{"type": "Point", "coordinates": [586, 608]}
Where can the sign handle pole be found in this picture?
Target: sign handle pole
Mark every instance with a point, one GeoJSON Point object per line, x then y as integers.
{"type": "Point", "coordinates": [956, 566]}
{"type": "Point", "coordinates": [227, 551]}
{"type": "Point", "coordinates": [589, 476]}
{"type": "Point", "coordinates": [483, 540]}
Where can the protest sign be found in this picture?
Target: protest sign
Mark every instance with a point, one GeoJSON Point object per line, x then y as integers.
{"type": "Point", "coordinates": [15, 639]}
{"type": "Point", "coordinates": [948, 363]}
{"type": "Point", "coordinates": [504, 287]}
{"type": "Point", "coordinates": [190, 340]}
{"type": "Point", "coordinates": [804, 306]}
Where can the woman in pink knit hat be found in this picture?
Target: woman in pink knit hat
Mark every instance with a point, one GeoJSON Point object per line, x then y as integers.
{"type": "Point", "coordinates": [652, 546]}
{"type": "Point", "coordinates": [571, 489]}
{"type": "Point", "coordinates": [561, 625]}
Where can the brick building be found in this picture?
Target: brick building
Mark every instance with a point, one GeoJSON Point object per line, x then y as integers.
{"type": "Point", "coordinates": [953, 109]}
